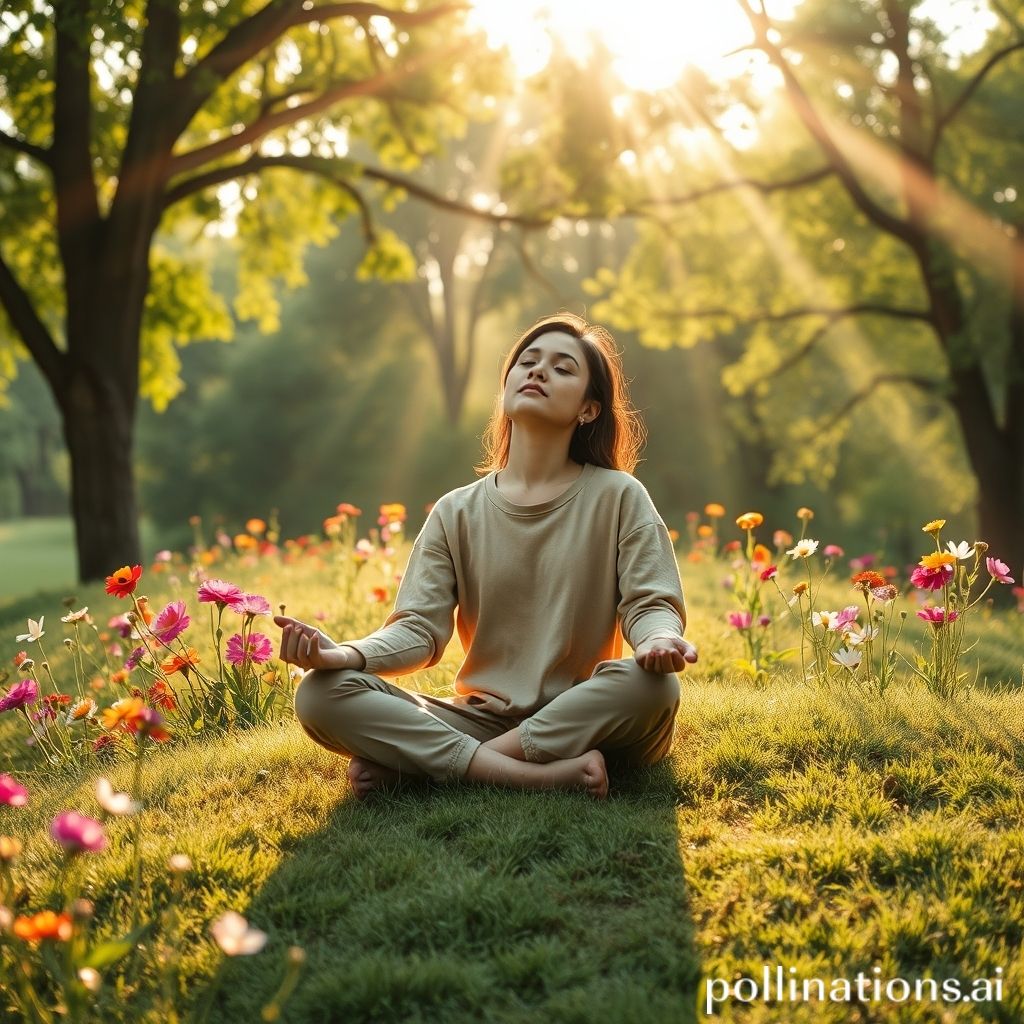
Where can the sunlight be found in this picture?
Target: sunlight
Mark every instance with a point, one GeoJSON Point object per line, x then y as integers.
{"type": "Point", "coordinates": [651, 42]}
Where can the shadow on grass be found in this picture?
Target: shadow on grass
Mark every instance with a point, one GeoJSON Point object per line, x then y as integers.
{"type": "Point", "coordinates": [473, 903]}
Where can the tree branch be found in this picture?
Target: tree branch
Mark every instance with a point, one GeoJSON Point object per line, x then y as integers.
{"type": "Point", "coordinates": [943, 121]}
{"type": "Point", "coordinates": [764, 187]}
{"type": "Point", "coordinates": [333, 171]}
{"type": "Point", "coordinates": [195, 158]}
{"type": "Point", "coordinates": [926, 384]}
{"type": "Point", "coordinates": [813, 123]}
{"type": "Point", "coordinates": [247, 38]}
{"type": "Point", "coordinates": [834, 313]}
{"type": "Point", "coordinates": [44, 156]}
{"type": "Point", "coordinates": [31, 329]}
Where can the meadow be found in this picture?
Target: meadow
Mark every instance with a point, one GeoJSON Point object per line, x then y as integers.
{"type": "Point", "coordinates": [814, 815]}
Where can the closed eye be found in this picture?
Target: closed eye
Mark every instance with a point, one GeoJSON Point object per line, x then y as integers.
{"type": "Point", "coordinates": [558, 369]}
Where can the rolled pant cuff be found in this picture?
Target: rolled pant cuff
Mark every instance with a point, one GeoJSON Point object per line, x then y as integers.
{"type": "Point", "coordinates": [530, 749]}
{"type": "Point", "coordinates": [462, 754]}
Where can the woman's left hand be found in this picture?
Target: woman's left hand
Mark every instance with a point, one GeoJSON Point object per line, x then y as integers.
{"type": "Point", "coordinates": [665, 654]}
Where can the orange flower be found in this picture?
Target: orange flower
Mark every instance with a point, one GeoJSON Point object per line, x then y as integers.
{"type": "Point", "coordinates": [345, 509]}
{"type": "Point", "coordinates": [714, 510]}
{"type": "Point", "coordinates": [206, 558]}
{"type": "Point", "coordinates": [120, 676]}
{"type": "Point", "coordinates": [393, 513]}
{"type": "Point", "coordinates": [194, 520]}
{"type": "Point", "coordinates": [938, 559]}
{"type": "Point", "coordinates": [160, 696]}
{"type": "Point", "coordinates": [750, 520]}
{"type": "Point", "coordinates": [378, 594]}
{"type": "Point", "coordinates": [694, 556]}
{"type": "Point", "coordinates": [868, 580]}
{"type": "Point", "coordinates": [761, 555]}
{"type": "Point", "coordinates": [704, 530]}
{"type": "Point", "coordinates": [780, 538]}
{"type": "Point", "coordinates": [123, 582]}
{"type": "Point", "coordinates": [180, 662]}
{"type": "Point", "coordinates": [126, 710]}
{"type": "Point", "coordinates": [44, 925]}
{"type": "Point", "coordinates": [673, 535]}
{"type": "Point", "coordinates": [244, 542]}
{"type": "Point", "coordinates": [332, 525]}
{"type": "Point", "coordinates": [147, 614]}
{"type": "Point", "coordinates": [800, 588]}
{"type": "Point", "coordinates": [256, 526]}
{"type": "Point", "coordinates": [804, 513]}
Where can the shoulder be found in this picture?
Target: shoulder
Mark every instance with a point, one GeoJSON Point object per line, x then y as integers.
{"type": "Point", "coordinates": [634, 503]}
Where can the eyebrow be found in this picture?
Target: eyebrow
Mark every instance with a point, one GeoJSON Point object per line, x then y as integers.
{"type": "Point", "coordinates": [561, 355]}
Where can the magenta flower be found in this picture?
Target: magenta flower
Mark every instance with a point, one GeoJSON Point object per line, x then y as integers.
{"type": "Point", "coordinates": [833, 551]}
{"type": "Point", "coordinates": [770, 573]}
{"type": "Point", "coordinates": [221, 593]}
{"type": "Point", "coordinates": [931, 579]}
{"type": "Point", "coordinates": [764, 620]}
{"type": "Point", "coordinates": [134, 658]}
{"type": "Point", "coordinates": [846, 616]}
{"type": "Point", "coordinates": [998, 570]}
{"type": "Point", "coordinates": [12, 793]}
{"type": "Point", "coordinates": [741, 620]}
{"type": "Point", "coordinates": [254, 604]}
{"type": "Point", "coordinates": [937, 616]}
{"type": "Point", "coordinates": [171, 622]}
{"type": "Point", "coordinates": [121, 624]}
{"type": "Point", "coordinates": [257, 649]}
{"type": "Point", "coordinates": [20, 694]}
{"type": "Point", "coordinates": [77, 833]}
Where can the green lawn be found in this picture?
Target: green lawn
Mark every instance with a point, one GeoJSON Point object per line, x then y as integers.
{"type": "Point", "coordinates": [39, 554]}
{"type": "Point", "coordinates": [825, 830]}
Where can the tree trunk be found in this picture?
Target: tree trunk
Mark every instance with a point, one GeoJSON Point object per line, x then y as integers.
{"type": "Point", "coordinates": [98, 431]}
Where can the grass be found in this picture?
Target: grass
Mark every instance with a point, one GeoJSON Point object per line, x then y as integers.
{"type": "Point", "coordinates": [825, 830]}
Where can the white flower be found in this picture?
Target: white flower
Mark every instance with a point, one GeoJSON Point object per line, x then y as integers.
{"type": "Point", "coordinates": [90, 978]}
{"type": "Point", "coordinates": [856, 637]}
{"type": "Point", "coordinates": [234, 935]}
{"type": "Point", "coordinates": [826, 619]}
{"type": "Point", "coordinates": [114, 803]}
{"type": "Point", "coordinates": [35, 630]}
{"type": "Point", "coordinates": [81, 711]}
{"type": "Point", "coordinates": [82, 613]}
{"type": "Point", "coordinates": [847, 658]}
{"type": "Point", "coordinates": [179, 863]}
{"type": "Point", "coordinates": [962, 550]}
{"type": "Point", "coordinates": [803, 549]}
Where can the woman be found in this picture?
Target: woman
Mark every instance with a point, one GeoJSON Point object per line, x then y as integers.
{"type": "Point", "coordinates": [547, 561]}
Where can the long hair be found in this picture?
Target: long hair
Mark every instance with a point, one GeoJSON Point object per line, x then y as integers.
{"type": "Point", "coordinates": [614, 439]}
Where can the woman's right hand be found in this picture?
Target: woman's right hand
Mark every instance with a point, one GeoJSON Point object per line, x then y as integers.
{"type": "Point", "coordinates": [305, 646]}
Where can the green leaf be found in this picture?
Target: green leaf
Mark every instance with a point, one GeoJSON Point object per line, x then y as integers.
{"type": "Point", "coordinates": [107, 953]}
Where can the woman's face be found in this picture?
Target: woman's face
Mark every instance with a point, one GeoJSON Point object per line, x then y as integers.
{"type": "Point", "coordinates": [554, 370]}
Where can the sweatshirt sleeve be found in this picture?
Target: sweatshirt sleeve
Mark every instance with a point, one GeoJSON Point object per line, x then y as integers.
{"type": "Point", "coordinates": [417, 631]}
{"type": "Point", "coordinates": [651, 594]}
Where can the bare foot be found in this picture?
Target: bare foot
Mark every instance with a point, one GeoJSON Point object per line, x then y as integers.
{"type": "Point", "coordinates": [365, 776]}
{"type": "Point", "coordinates": [588, 770]}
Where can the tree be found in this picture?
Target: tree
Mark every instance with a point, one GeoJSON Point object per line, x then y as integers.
{"type": "Point", "coordinates": [130, 131]}
{"type": "Point", "coordinates": [880, 202]}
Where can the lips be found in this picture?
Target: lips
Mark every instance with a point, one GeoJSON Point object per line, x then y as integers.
{"type": "Point", "coordinates": [532, 387]}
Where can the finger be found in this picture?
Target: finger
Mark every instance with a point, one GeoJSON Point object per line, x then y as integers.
{"type": "Point", "coordinates": [286, 648]}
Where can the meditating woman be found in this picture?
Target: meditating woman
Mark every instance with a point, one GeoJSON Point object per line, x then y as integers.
{"type": "Point", "coordinates": [546, 562]}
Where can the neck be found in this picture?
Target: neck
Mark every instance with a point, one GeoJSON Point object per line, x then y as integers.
{"type": "Point", "coordinates": [535, 460]}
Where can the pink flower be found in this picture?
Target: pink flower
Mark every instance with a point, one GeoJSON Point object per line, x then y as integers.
{"type": "Point", "coordinates": [257, 649]}
{"type": "Point", "coordinates": [833, 551]}
{"type": "Point", "coordinates": [937, 616]}
{"type": "Point", "coordinates": [221, 593]}
{"type": "Point", "coordinates": [864, 562]}
{"type": "Point", "coordinates": [998, 570]}
{"type": "Point", "coordinates": [254, 604]}
{"type": "Point", "coordinates": [12, 793]}
{"type": "Point", "coordinates": [20, 694]}
{"type": "Point", "coordinates": [764, 620]}
{"type": "Point", "coordinates": [121, 624]}
{"type": "Point", "coordinates": [741, 620]}
{"type": "Point", "coordinates": [770, 573]}
{"type": "Point", "coordinates": [847, 615]}
{"type": "Point", "coordinates": [931, 579]}
{"type": "Point", "coordinates": [171, 622]}
{"type": "Point", "coordinates": [77, 833]}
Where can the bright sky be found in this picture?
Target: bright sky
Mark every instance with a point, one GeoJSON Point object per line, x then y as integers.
{"type": "Point", "coordinates": [653, 40]}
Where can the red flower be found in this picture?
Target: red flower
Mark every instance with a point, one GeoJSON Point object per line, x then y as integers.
{"type": "Point", "coordinates": [123, 582]}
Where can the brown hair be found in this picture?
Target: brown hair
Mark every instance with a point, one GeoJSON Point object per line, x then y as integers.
{"type": "Point", "coordinates": [612, 440]}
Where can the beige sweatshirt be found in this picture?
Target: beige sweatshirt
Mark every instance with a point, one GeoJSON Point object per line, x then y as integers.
{"type": "Point", "coordinates": [540, 593]}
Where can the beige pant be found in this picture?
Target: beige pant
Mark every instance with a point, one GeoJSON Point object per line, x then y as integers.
{"type": "Point", "coordinates": [622, 710]}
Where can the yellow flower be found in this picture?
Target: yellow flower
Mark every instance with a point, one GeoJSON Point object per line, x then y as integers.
{"type": "Point", "coordinates": [804, 513]}
{"type": "Point", "coordinates": [704, 530]}
{"type": "Point", "coordinates": [714, 510]}
{"type": "Point", "coordinates": [800, 588]}
{"type": "Point", "coordinates": [256, 526]}
{"type": "Point", "coordinates": [749, 520]}
{"type": "Point", "coordinates": [938, 559]}
{"type": "Point", "coordinates": [934, 526]}
{"type": "Point", "coordinates": [244, 542]}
